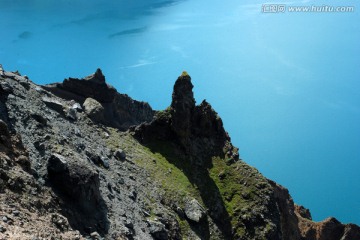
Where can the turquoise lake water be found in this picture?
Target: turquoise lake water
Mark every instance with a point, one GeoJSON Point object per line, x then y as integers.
{"type": "Point", "coordinates": [287, 85]}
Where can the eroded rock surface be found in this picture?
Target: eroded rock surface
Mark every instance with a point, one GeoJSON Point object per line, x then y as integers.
{"type": "Point", "coordinates": [78, 160]}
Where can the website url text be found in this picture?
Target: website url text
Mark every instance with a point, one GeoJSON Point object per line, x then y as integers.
{"type": "Point", "coordinates": [282, 8]}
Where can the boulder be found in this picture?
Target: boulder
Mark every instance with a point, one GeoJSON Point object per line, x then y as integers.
{"type": "Point", "coordinates": [105, 162]}
{"type": "Point", "coordinates": [57, 163]}
{"type": "Point", "coordinates": [75, 180]}
{"type": "Point", "coordinates": [157, 230]}
{"type": "Point", "coordinates": [120, 155]}
{"type": "Point", "coordinates": [194, 211]}
{"type": "Point", "coordinates": [40, 146]}
{"type": "Point", "coordinates": [94, 110]}
{"type": "Point", "coordinates": [79, 188]}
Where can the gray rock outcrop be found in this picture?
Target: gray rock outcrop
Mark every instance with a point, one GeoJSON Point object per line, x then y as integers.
{"type": "Point", "coordinates": [118, 110]}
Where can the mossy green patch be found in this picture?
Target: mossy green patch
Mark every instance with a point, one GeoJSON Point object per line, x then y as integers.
{"type": "Point", "coordinates": [163, 114]}
{"type": "Point", "coordinates": [114, 139]}
{"type": "Point", "coordinates": [233, 194]}
{"type": "Point", "coordinates": [239, 185]}
{"type": "Point", "coordinates": [184, 74]}
{"type": "Point", "coordinates": [198, 184]}
{"type": "Point", "coordinates": [159, 159]}
{"type": "Point", "coordinates": [166, 171]}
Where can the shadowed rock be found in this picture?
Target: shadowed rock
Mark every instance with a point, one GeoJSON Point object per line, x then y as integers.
{"type": "Point", "coordinates": [119, 110]}
{"type": "Point", "coordinates": [198, 129]}
{"type": "Point", "coordinates": [78, 186]}
{"type": "Point", "coordinates": [182, 106]}
{"type": "Point", "coordinates": [93, 86]}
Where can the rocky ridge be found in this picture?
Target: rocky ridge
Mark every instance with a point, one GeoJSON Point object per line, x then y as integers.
{"type": "Point", "coordinates": [78, 160]}
{"type": "Point", "coordinates": [102, 103]}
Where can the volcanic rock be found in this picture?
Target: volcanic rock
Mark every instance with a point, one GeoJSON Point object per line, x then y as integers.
{"type": "Point", "coordinates": [118, 110]}
{"type": "Point", "coordinates": [182, 106]}
{"type": "Point", "coordinates": [93, 86]}
{"type": "Point", "coordinates": [59, 177]}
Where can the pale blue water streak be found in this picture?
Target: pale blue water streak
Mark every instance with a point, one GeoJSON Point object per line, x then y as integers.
{"type": "Point", "coordinates": [286, 85]}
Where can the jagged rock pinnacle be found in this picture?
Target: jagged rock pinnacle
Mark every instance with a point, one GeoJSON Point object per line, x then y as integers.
{"type": "Point", "coordinates": [98, 77]}
{"type": "Point", "coordinates": [182, 105]}
{"type": "Point", "coordinates": [93, 86]}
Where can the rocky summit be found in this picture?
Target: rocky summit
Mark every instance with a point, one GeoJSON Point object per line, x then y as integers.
{"type": "Point", "coordinates": [78, 160]}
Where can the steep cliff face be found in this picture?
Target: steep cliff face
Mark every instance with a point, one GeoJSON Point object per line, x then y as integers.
{"type": "Point", "coordinates": [88, 162]}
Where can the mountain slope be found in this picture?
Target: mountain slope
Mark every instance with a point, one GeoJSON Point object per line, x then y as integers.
{"type": "Point", "coordinates": [80, 160]}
